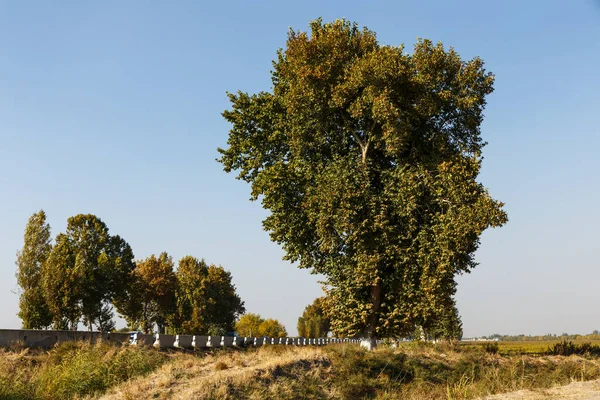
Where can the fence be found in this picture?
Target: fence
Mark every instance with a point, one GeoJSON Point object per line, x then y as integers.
{"type": "Point", "coordinates": [48, 338]}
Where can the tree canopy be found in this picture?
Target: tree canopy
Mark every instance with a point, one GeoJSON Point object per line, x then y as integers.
{"type": "Point", "coordinates": [367, 158]}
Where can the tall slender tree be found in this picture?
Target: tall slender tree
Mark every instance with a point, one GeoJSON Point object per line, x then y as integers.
{"type": "Point", "coordinates": [367, 159]}
{"type": "Point", "coordinates": [191, 297]}
{"type": "Point", "coordinates": [62, 285]}
{"type": "Point", "coordinates": [33, 309]}
{"type": "Point", "coordinates": [223, 305]}
{"type": "Point", "coordinates": [314, 323]}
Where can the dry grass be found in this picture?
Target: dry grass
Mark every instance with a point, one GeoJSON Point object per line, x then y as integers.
{"type": "Point", "coordinates": [284, 372]}
{"type": "Point", "coordinates": [223, 374]}
{"type": "Point", "coordinates": [71, 369]}
{"type": "Point", "coordinates": [346, 372]}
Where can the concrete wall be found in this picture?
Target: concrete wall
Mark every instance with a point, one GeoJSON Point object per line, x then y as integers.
{"type": "Point", "coordinates": [48, 338]}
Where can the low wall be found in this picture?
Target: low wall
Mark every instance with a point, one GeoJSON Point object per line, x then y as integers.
{"type": "Point", "coordinates": [48, 338]}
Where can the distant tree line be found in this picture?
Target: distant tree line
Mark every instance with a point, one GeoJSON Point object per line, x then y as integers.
{"type": "Point", "coordinates": [87, 274]}
{"type": "Point", "coordinates": [595, 335]}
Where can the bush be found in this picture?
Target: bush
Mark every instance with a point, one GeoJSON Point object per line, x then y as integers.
{"type": "Point", "coordinates": [491, 348]}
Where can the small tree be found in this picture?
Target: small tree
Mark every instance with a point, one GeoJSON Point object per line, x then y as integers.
{"type": "Point", "coordinates": [314, 323]}
{"type": "Point", "coordinates": [254, 325]}
{"type": "Point", "coordinates": [33, 309]}
{"type": "Point", "coordinates": [447, 326]}
{"type": "Point", "coordinates": [272, 328]}
{"type": "Point", "coordinates": [249, 325]}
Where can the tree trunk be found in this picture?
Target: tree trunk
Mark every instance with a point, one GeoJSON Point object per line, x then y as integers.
{"type": "Point", "coordinates": [369, 341]}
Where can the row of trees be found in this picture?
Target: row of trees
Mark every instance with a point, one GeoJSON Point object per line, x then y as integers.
{"type": "Point", "coordinates": [87, 273]}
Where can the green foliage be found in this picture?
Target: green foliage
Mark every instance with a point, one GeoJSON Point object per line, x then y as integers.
{"type": "Point", "coordinates": [367, 159]}
{"type": "Point", "coordinates": [248, 325]}
{"type": "Point", "coordinates": [272, 328]}
{"type": "Point", "coordinates": [314, 323]}
{"type": "Point", "coordinates": [447, 325]}
{"type": "Point", "coordinates": [206, 298]}
{"type": "Point", "coordinates": [33, 309]}
{"type": "Point", "coordinates": [253, 325]}
{"type": "Point", "coordinates": [85, 272]}
{"type": "Point", "coordinates": [155, 284]}
{"type": "Point", "coordinates": [61, 284]}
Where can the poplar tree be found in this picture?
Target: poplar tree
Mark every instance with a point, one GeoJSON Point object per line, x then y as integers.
{"type": "Point", "coordinates": [366, 158]}
{"type": "Point", "coordinates": [314, 323]}
{"type": "Point", "coordinates": [33, 310]}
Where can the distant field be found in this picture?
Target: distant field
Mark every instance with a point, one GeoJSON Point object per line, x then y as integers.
{"type": "Point", "coordinates": [527, 347]}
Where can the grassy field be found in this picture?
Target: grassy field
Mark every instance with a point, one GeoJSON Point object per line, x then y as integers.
{"type": "Point", "coordinates": [526, 347]}
{"type": "Point", "coordinates": [76, 370]}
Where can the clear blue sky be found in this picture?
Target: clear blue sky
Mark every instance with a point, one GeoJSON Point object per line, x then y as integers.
{"type": "Point", "coordinates": [113, 108]}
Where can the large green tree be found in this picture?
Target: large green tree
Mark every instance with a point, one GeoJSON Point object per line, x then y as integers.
{"type": "Point", "coordinates": [314, 322]}
{"type": "Point", "coordinates": [367, 159]}
{"type": "Point", "coordinates": [33, 309]}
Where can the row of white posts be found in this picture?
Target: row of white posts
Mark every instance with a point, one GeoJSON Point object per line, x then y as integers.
{"type": "Point", "coordinates": [197, 341]}
{"type": "Point", "coordinates": [48, 338]}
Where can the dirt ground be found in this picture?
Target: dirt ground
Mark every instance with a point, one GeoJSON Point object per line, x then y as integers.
{"type": "Point", "coordinates": [575, 391]}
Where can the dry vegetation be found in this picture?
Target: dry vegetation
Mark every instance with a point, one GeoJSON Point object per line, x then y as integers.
{"type": "Point", "coordinates": [281, 372]}
{"type": "Point", "coordinates": [346, 372]}
{"type": "Point", "coordinates": [71, 369]}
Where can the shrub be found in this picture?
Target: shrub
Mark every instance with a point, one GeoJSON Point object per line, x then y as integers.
{"type": "Point", "coordinates": [567, 348]}
{"type": "Point", "coordinates": [491, 348]}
